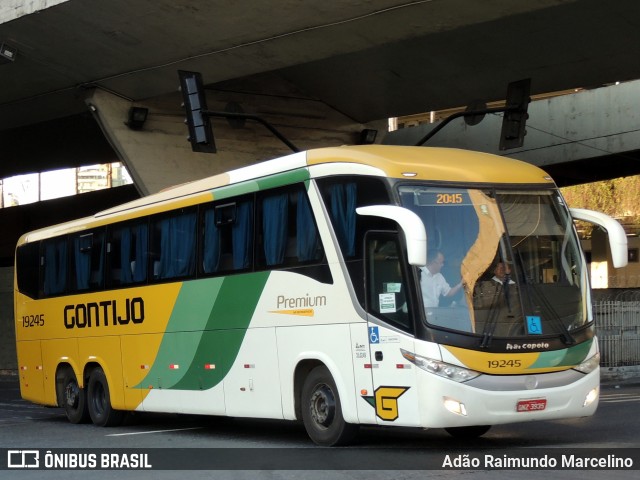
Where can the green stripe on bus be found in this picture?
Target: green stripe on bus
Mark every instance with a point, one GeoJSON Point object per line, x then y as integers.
{"type": "Point", "coordinates": [286, 178]}
{"type": "Point", "coordinates": [567, 357]}
{"type": "Point", "coordinates": [227, 325]}
{"type": "Point", "coordinates": [205, 332]}
{"type": "Point", "coordinates": [272, 181]}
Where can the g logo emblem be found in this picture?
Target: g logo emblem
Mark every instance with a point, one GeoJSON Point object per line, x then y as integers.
{"type": "Point", "coordinates": [385, 401]}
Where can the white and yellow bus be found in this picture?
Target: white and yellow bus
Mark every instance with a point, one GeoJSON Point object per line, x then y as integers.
{"type": "Point", "coordinates": [293, 289]}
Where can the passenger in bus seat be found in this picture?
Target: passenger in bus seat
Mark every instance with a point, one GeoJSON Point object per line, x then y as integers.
{"type": "Point", "coordinates": [432, 282]}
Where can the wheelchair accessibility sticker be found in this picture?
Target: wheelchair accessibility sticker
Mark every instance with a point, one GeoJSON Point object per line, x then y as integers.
{"type": "Point", "coordinates": [534, 325]}
{"type": "Point", "coordinates": [374, 335]}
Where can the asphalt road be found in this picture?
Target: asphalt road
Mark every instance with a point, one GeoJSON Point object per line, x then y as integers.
{"type": "Point", "coordinates": [249, 448]}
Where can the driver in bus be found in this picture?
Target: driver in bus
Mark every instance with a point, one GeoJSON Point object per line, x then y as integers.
{"type": "Point", "coordinates": [502, 274]}
{"type": "Point", "coordinates": [498, 291]}
{"type": "Point", "coordinates": [433, 283]}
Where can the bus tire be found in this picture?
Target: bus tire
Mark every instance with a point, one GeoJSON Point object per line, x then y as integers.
{"type": "Point", "coordinates": [468, 432]}
{"type": "Point", "coordinates": [73, 398]}
{"type": "Point", "coordinates": [322, 411]}
{"type": "Point", "coordinates": [99, 401]}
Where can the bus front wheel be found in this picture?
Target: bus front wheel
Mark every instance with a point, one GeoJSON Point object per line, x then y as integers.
{"type": "Point", "coordinates": [322, 412]}
{"type": "Point", "coordinates": [74, 399]}
{"type": "Point", "coordinates": [99, 401]}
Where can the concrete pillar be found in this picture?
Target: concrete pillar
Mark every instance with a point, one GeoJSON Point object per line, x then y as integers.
{"type": "Point", "coordinates": [159, 156]}
{"type": "Point", "coordinates": [12, 9]}
{"type": "Point", "coordinates": [600, 260]}
{"type": "Point", "coordinates": [8, 360]}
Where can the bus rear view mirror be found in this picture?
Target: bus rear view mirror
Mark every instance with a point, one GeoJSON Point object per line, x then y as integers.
{"type": "Point", "coordinates": [615, 233]}
{"type": "Point", "coordinates": [412, 227]}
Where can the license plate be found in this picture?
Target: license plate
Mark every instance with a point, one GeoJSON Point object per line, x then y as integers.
{"type": "Point", "coordinates": [535, 405]}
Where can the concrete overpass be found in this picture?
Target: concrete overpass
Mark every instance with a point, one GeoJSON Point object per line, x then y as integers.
{"type": "Point", "coordinates": [578, 138]}
{"type": "Point", "coordinates": [70, 70]}
{"type": "Point", "coordinates": [319, 71]}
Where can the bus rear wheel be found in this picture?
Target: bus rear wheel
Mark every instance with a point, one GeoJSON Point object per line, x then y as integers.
{"type": "Point", "coordinates": [99, 401]}
{"type": "Point", "coordinates": [322, 412]}
{"type": "Point", "coordinates": [73, 398]}
{"type": "Point", "coordinates": [468, 432]}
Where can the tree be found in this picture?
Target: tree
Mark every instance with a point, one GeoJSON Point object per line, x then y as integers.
{"type": "Point", "coordinates": [618, 198]}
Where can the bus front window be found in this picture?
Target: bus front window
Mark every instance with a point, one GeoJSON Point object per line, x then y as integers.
{"type": "Point", "coordinates": [547, 255]}
{"type": "Point", "coordinates": [500, 263]}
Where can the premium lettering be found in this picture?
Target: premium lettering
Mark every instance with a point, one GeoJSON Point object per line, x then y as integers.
{"type": "Point", "coordinates": [301, 302]}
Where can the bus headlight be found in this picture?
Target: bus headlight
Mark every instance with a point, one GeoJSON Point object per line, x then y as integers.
{"type": "Point", "coordinates": [437, 367]}
{"type": "Point", "coordinates": [591, 397]}
{"type": "Point", "coordinates": [589, 365]}
{"type": "Point", "coordinates": [454, 406]}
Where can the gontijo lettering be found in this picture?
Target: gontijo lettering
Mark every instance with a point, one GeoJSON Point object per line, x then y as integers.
{"type": "Point", "coordinates": [105, 313]}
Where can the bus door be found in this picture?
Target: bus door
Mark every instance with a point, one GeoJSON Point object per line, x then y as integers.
{"type": "Point", "coordinates": [390, 330]}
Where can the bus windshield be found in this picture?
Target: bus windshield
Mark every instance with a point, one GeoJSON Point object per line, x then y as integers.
{"type": "Point", "coordinates": [500, 263]}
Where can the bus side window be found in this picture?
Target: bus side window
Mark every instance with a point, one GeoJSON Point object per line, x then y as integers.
{"type": "Point", "coordinates": [308, 245]}
{"type": "Point", "coordinates": [87, 262]}
{"type": "Point", "coordinates": [128, 253]}
{"type": "Point", "coordinates": [343, 202]}
{"type": "Point", "coordinates": [227, 237]}
{"type": "Point", "coordinates": [386, 282]}
{"type": "Point", "coordinates": [174, 244]}
{"type": "Point", "coordinates": [28, 269]}
{"type": "Point", "coordinates": [54, 264]}
{"type": "Point", "coordinates": [211, 238]}
{"type": "Point", "coordinates": [287, 234]}
{"type": "Point", "coordinates": [341, 196]}
{"type": "Point", "coordinates": [242, 236]}
{"type": "Point", "coordinates": [275, 227]}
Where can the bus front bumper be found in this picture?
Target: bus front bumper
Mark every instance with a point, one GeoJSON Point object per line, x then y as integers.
{"type": "Point", "coordinates": [493, 400]}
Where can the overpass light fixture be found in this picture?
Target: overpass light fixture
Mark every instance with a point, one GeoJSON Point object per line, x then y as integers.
{"type": "Point", "coordinates": [137, 117]}
{"type": "Point", "coordinates": [194, 101]}
{"type": "Point", "coordinates": [367, 136]}
{"type": "Point", "coordinates": [7, 53]}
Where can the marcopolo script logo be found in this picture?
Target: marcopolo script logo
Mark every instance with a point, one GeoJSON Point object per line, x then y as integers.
{"type": "Point", "coordinates": [23, 459]}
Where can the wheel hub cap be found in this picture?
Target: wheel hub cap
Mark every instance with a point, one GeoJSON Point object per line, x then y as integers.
{"type": "Point", "coordinates": [323, 406]}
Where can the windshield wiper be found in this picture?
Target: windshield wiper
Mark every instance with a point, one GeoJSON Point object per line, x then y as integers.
{"type": "Point", "coordinates": [492, 321]}
{"type": "Point", "coordinates": [567, 338]}
{"type": "Point", "coordinates": [547, 306]}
